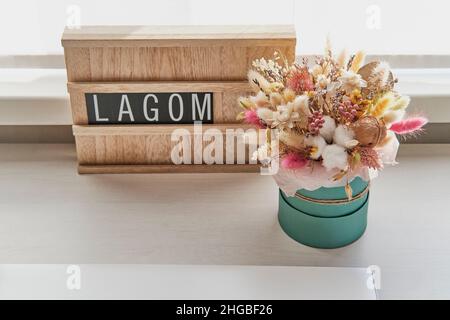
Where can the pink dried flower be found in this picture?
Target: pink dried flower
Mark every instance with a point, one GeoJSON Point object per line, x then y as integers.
{"type": "Point", "coordinates": [293, 161]}
{"type": "Point", "coordinates": [300, 80]}
{"type": "Point", "coordinates": [315, 122]}
{"type": "Point", "coordinates": [348, 111]}
{"type": "Point", "coordinates": [409, 126]}
{"type": "Point", "coordinates": [251, 117]}
{"type": "Point", "coordinates": [370, 158]}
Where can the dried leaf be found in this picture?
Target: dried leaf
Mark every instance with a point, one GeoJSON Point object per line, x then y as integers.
{"type": "Point", "coordinates": [357, 61]}
{"type": "Point", "coordinates": [339, 175]}
{"type": "Point", "coordinates": [245, 103]}
{"type": "Point", "coordinates": [349, 191]}
{"type": "Point", "coordinates": [342, 59]}
{"type": "Point", "coordinates": [268, 141]}
{"type": "Point", "coordinates": [240, 116]}
{"type": "Point", "coordinates": [355, 159]}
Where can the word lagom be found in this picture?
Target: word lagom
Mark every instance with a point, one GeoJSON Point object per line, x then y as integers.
{"type": "Point", "coordinates": [146, 108]}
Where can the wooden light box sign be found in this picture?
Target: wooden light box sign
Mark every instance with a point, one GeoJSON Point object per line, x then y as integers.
{"type": "Point", "coordinates": [131, 87]}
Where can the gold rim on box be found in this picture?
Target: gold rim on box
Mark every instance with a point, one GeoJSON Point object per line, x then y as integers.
{"type": "Point", "coordinates": [333, 201]}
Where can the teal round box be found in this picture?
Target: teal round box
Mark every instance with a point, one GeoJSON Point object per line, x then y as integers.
{"type": "Point", "coordinates": [325, 218]}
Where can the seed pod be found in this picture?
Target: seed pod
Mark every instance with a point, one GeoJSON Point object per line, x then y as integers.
{"type": "Point", "coordinates": [369, 131]}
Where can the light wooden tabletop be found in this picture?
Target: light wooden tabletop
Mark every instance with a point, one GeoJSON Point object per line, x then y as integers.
{"type": "Point", "coordinates": [49, 214]}
{"type": "Point", "coordinates": [180, 32]}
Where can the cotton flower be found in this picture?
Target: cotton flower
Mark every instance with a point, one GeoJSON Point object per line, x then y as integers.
{"type": "Point", "coordinates": [350, 81]}
{"type": "Point", "coordinates": [334, 156]}
{"type": "Point", "coordinates": [328, 127]}
{"type": "Point", "coordinates": [344, 137]}
{"type": "Point", "coordinates": [317, 143]}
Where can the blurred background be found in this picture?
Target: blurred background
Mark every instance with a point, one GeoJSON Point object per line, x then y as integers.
{"type": "Point", "coordinates": [410, 35]}
{"type": "Point", "coordinates": [378, 26]}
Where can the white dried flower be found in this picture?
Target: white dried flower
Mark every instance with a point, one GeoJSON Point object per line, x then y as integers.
{"type": "Point", "coordinates": [350, 80]}
{"type": "Point", "coordinates": [318, 143]}
{"type": "Point", "coordinates": [316, 70]}
{"type": "Point", "coordinates": [328, 127]}
{"type": "Point", "coordinates": [322, 81]}
{"type": "Point", "coordinates": [301, 105]}
{"type": "Point", "coordinates": [291, 138]}
{"type": "Point", "coordinates": [275, 99]}
{"type": "Point", "coordinates": [285, 114]}
{"type": "Point", "coordinates": [269, 67]}
{"type": "Point", "coordinates": [265, 114]}
{"type": "Point", "coordinates": [334, 156]}
{"type": "Point", "coordinates": [260, 100]}
{"type": "Point", "coordinates": [257, 81]}
{"type": "Point", "coordinates": [344, 137]}
{"type": "Point", "coordinates": [380, 74]}
{"type": "Point", "coordinates": [393, 116]}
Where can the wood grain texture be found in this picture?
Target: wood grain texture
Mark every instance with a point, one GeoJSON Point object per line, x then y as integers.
{"type": "Point", "coordinates": [78, 64]}
{"type": "Point", "coordinates": [202, 53]}
{"type": "Point", "coordinates": [130, 130]}
{"type": "Point", "coordinates": [225, 95]}
{"type": "Point", "coordinates": [195, 168]}
{"type": "Point", "coordinates": [206, 63]}
{"type": "Point", "coordinates": [154, 144]}
{"type": "Point", "coordinates": [163, 59]}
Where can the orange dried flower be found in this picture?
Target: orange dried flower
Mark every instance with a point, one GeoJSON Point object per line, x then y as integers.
{"type": "Point", "coordinates": [300, 80]}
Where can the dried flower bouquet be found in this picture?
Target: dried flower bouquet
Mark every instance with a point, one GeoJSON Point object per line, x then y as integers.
{"type": "Point", "coordinates": [335, 119]}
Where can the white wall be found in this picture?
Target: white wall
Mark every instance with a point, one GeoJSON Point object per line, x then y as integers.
{"type": "Point", "coordinates": [378, 26]}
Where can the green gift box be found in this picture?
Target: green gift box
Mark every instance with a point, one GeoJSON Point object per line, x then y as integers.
{"type": "Point", "coordinates": [325, 218]}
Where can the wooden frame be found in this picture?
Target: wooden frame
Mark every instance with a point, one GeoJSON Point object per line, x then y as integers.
{"type": "Point", "coordinates": [119, 148]}
{"type": "Point", "coordinates": [162, 59]}
{"type": "Point", "coordinates": [171, 53]}
{"type": "Point", "coordinates": [226, 94]}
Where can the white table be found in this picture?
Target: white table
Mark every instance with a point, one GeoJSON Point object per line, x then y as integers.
{"type": "Point", "coordinates": [182, 282]}
{"type": "Point", "coordinates": [50, 214]}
